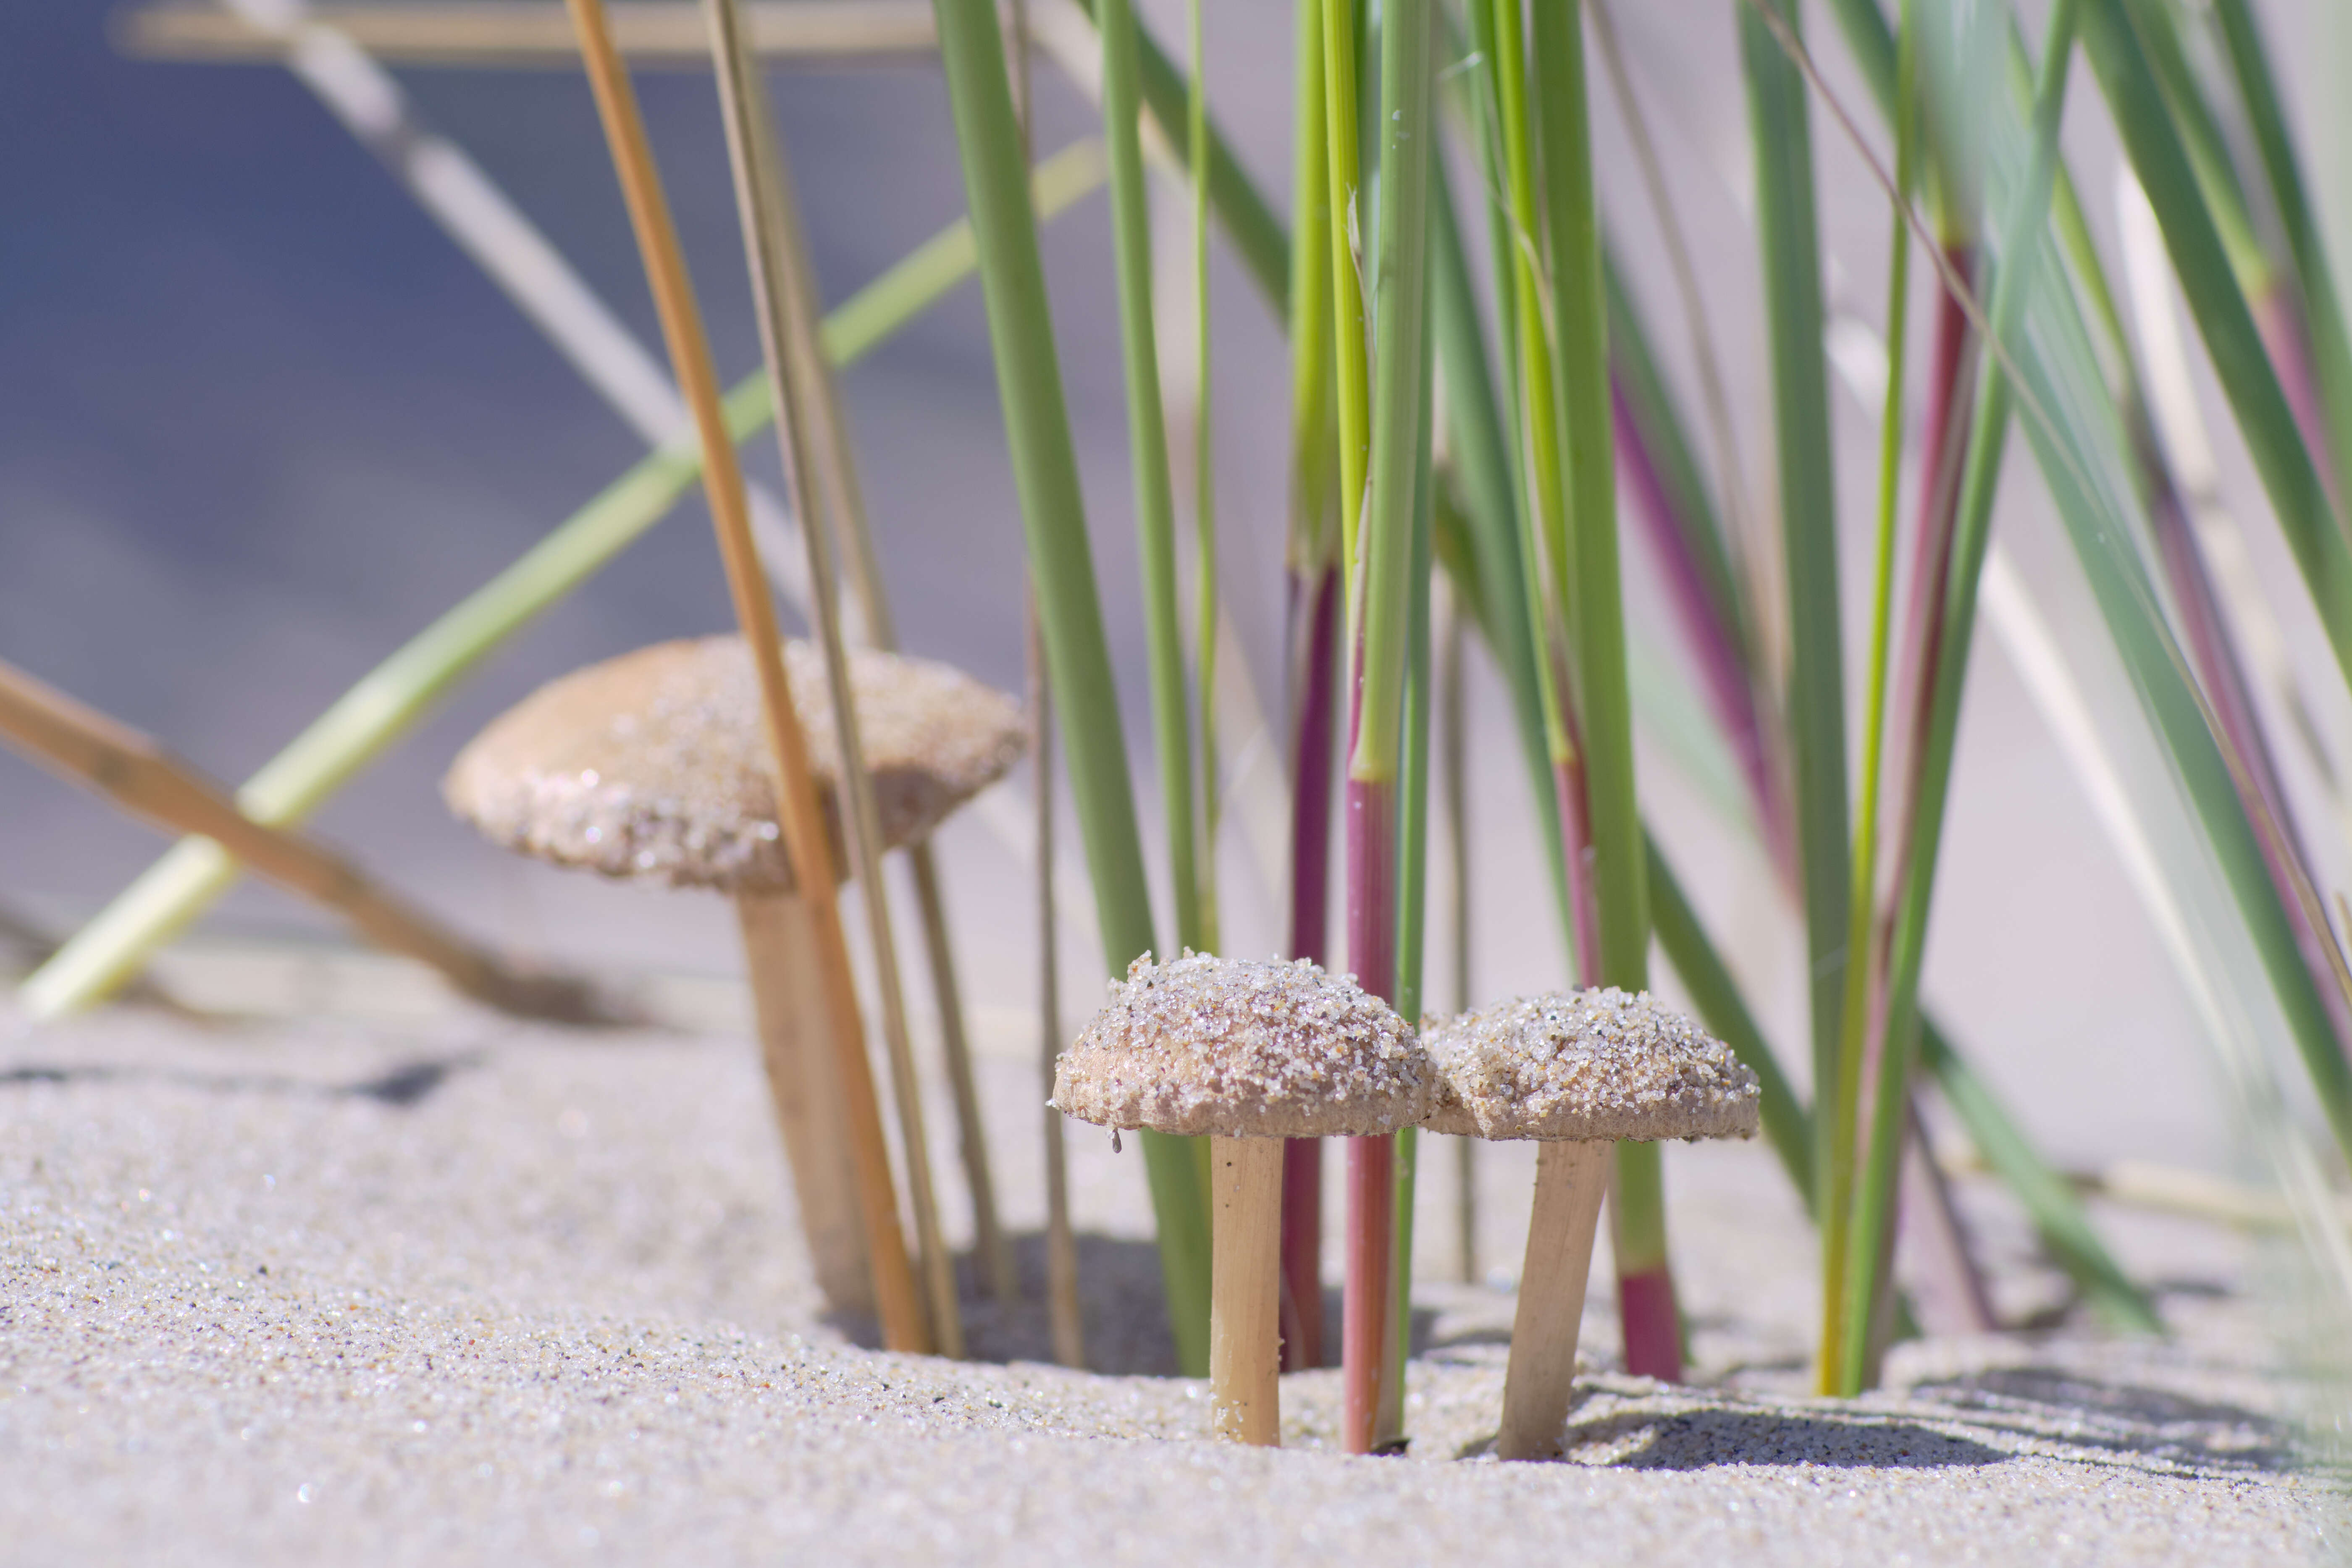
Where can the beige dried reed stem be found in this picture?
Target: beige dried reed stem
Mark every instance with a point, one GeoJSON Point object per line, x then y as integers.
{"type": "Point", "coordinates": [136, 773]}
{"type": "Point", "coordinates": [509, 36]}
{"type": "Point", "coordinates": [758, 199]}
{"type": "Point", "coordinates": [828, 497]}
{"type": "Point", "coordinates": [802, 816]}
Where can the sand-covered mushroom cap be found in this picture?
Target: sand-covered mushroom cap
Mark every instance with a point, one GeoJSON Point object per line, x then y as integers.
{"type": "Point", "coordinates": [1588, 1065]}
{"type": "Point", "coordinates": [656, 764]}
{"type": "Point", "coordinates": [1246, 1049]}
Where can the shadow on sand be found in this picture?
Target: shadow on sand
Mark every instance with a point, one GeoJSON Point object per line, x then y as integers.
{"type": "Point", "coordinates": [1119, 1299]}
{"type": "Point", "coordinates": [408, 1084]}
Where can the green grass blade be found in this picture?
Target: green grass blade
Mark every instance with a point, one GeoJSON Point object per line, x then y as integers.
{"type": "Point", "coordinates": [1843, 1105]}
{"type": "Point", "coordinates": [2056, 1212]}
{"type": "Point", "coordinates": [1779, 123]}
{"type": "Point", "coordinates": [1343, 175]}
{"type": "Point", "coordinates": [1656, 410]}
{"type": "Point", "coordinates": [1868, 1272]}
{"type": "Point", "coordinates": [1605, 705]}
{"type": "Point", "coordinates": [1871, 42]}
{"type": "Point", "coordinates": [2323, 308]}
{"type": "Point", "coordinates": [388, 701]}
{"type": "Point", "coordinates": [1493, 588]}
{"type": "Point", "coordinates": [1381, 585]}
{"type": "Point", "coordinates": [1412, 903]}
{"type": "Point", "coordinates": [1155, 503]}
{"type": "Point", "coordinates": [1593, 593]}
{"type": "Point", "coordinates": [2224, 320]}
{"type": "Point", "coordinates": [1204, 491]}
{"type": "Point", "coordinates": [1313, 538]}
{"type": "Point", "coordinates": [1250, 224]}
{"type": "Point", "coordinates": [2192, 118]}
{"type": "Point", "coordinates": [1061, 564]}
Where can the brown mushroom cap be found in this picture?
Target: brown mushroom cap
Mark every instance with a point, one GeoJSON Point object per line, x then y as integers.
{"type": "Point", "coordinates": [1245, 1050]}
{"type": "Point", "coordinates": [657, 765]}
{"type": "Point", "coordinates": [1590, 1064]}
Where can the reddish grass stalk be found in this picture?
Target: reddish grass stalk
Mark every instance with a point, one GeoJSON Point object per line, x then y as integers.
{"type": "Point", "coordinates": [2279, 322]}
{"type": "Point", "coordinates": [1314, 680]}
{"type": "Point", "coordinates": [2221, 674]}
{"type": "Point", "coordinates": [1951, 400]}
{"type": "Point", "coordinates": [1723, 666]}
{"type": "Point", "coordinates": [1951, 1274]}
{"type": "Point", "coordinates": [1652, 1325]}
{"type": "Point", "coordinates": [1575, 841]}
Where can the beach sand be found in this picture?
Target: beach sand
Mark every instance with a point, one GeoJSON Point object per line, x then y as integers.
{"type": "Point", "coordinates": [453, 1289]}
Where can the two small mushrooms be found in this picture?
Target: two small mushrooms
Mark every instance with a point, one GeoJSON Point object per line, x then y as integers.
{"type": "Point", "coordinates": [653, 766]}
{"type": "Point", "coordinates": [1252, 1054]}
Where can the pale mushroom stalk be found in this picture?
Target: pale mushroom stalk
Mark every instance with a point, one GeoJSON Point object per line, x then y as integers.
{"type": "Point", "coordinates": [1571, 1178]}
{"type": "Point", "coordinates": [1245, 1290]}
{"type": "Point", "coordinates": [750, 145]}
{"type": "Point", "coordinates": [1250, 1054]}
{"type": "Point", "coordinates": [1580, 1071]}
{"type": "Point", "coordinates": [795, 1028]}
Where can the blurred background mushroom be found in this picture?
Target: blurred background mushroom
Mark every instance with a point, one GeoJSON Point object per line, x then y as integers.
{"type": "Point", "coordinates": [653, 766]}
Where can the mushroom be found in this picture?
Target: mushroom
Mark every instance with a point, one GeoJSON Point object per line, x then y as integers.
{"type": "Point", "coordinates": [654, 767]}
{"type": "Point", "coordinates": [1580, 1071]}
{"type": "Point", "coordinates": [1250, 1054]}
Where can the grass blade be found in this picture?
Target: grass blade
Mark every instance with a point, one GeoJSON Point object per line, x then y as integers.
{"type": "Point", "coordinates": [1155, 504]}
{"type": "Point", "coordinates": [1493, 589]}
{"type": "Point", "coordinates": [1062, 569]}
{"type": "Point", "coordinates": [1788, 1126]}
{"type": "Point", "coordinates": [1868, 1275]}
{"type": "Point", "coordinates": [1204, 490]}
{"type": "Point", "coordinates": [1251, 226]}
{"type": "Point", "coordinates": [1593, 592]}
{"type": "Point", "coordinates": [1842, 1100]}
{"type": "Point", "coordinates": [2323, 311]}
{"type": "Point", "coordinates": [2240, 362]}
{"type": "Point", "coordinates": [1781, 126]}
{"type": "Point", "coordinates": [1311, 560]}
{"type": "Point", "coordinates": [1380, 593]}
{"type": "Point", "coordinates": [367, 720]}
{"type": "Point", "coordinates": [801, 818]}
{"type": "Point", "coordinates": [762, 202]}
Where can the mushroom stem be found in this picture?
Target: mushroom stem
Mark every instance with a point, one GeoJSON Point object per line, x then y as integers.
{"type": "Point", "coordinates": [1571, 1180]}
{"type": "Point", "coordinates": [795, 1030]}
{"type": "Point", "coordinates": [1245, 1291]}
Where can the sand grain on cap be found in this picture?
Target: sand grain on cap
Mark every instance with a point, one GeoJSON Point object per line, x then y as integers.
{"type": "Point", "coordinates": [1587, 1064]}
{"type": "Point", "coordinates": [655, 764]}
{"type": "Point", "coordinates": [1245, 1050]}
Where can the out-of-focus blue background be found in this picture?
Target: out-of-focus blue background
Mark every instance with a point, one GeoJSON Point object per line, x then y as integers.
{"type": "Point", "coordinates": [261, 420]}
